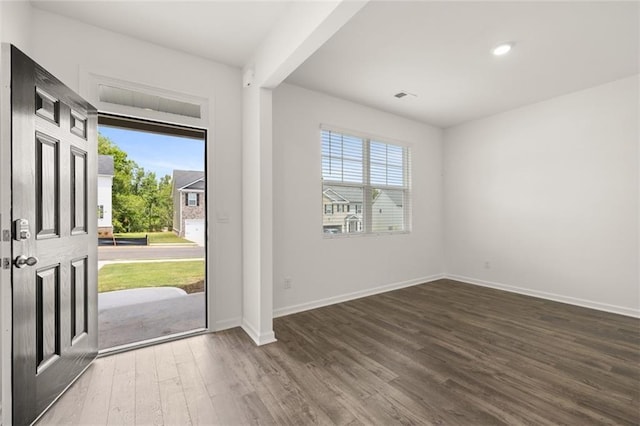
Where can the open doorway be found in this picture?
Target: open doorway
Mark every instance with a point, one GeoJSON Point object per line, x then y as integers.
{"type": "Point", "coordinates": [151, 230]}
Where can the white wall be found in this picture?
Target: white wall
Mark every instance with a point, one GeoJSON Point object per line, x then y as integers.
{"type": "Point", "coordinates": [326, 270]}
{"type": "Point", "coordinates": [548, 194]}
{"type": "Point", "coordinates": [15, 24]}
{"type": "Point", "coordinates": [68, 48]}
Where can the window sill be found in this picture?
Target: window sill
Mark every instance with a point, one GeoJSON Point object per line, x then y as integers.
{"type": "Point", "coordinates": [363, 234]}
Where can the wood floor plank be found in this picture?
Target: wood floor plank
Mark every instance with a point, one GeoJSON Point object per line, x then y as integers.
{"type": "Point", "coordinates": [147, 398]}
{"type": "Point", "coordinates": [199, 404]}
{"type": "Point", "coordinates": [95, 409]}
{"type": "Point", "coordinates": [172, 398]}
{"type": "Point", "coordinates": [440, 353]}
{"type": "Point", "coordinates": [122, 406]}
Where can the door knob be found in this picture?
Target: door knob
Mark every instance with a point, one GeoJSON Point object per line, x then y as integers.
{"type": "Point", "coordinates": [22, 261]}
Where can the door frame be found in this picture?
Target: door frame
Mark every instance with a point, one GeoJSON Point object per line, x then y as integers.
{"type": "Point", "coordinates": [6, 307]}
{"type": "Point", "coordinates": [89, 82]}
{"type": "Point", "coordinates": [139, 123]}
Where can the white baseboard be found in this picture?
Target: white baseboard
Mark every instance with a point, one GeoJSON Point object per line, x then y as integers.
{"type": "Point", "coordinates": [259, 338]}
{"type": "Point", "coordinates": [288, 310]}
{"type": "Point", "coordinates": [549, 296]}
{"type": "Point", "coordinates": [227, 324]}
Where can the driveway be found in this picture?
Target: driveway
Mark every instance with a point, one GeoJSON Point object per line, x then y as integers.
{"type": "Point", "coordinates": [163, 251]}
{"type": "Point", "coordinates": [124, 323]}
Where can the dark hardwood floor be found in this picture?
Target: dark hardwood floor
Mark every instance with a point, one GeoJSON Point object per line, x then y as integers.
{"type": "Point", "coordinates": [438, 353]}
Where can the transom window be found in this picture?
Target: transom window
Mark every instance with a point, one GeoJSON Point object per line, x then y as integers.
{"type": "Point", "coordinates": [365, 185]}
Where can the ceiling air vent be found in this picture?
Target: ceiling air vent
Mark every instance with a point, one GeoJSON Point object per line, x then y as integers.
{"type": "Point", "coordinates": [402, 94]}
{"type": "Point", "coordinates": [132, 98]}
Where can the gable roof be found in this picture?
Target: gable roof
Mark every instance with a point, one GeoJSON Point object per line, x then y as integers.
{"type": "Point", "coordinates": [193, 179]}
{"type": "Point", "coordinates": [105, 165]}
{"type": "Point", "coordinates": [396, 197]}
{"type": "Point", "coordinates": [343, 194]}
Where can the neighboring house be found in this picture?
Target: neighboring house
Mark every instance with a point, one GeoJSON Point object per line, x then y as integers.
{"type": "Point", "coordinates": [189, 205]}
{"type": "Point", "coordinates": [387, 213]}
{"type": "Point", "coordinates": [105, 200]}
{"type": "Point", "coordinates": [342, 209]}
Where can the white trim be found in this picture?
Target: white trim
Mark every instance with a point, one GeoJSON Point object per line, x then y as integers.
{"type": "Point", "coordinates": [6, 314]}
{"type": "Point", "coordinates": [227, 324]}
{"type": "Point", "coordinates": [259, 339]}
{"type": "Point", "coordinates": [280, 312]}
{"type": "Point", "coordinates": [621, 310]}
{"type": "Point", "coordinates": [89, 82]}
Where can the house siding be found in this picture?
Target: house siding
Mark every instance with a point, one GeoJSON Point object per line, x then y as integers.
{"type": "Point", "coordinates": [104, 198]}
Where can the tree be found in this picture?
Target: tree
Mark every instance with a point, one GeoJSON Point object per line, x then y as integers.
{"type": "Point", "coordinates": [141, 202]}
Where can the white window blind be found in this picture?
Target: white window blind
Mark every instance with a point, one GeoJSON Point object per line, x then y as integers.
{"type": "Point", "coordinates": [342, 157]}
{"type": "Point", "coordinates": [366, 186]}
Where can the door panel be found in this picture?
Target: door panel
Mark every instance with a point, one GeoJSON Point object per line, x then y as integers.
{"type": "Point", "coordinates": [47, 178]}
{"type": "Point", "coordinates": [54, 289]}
{"type": "Point", "coordinates": [78, 191]}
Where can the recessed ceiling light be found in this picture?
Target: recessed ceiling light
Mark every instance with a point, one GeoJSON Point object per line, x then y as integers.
{"type": "Point", "coordinates": [502, 49]}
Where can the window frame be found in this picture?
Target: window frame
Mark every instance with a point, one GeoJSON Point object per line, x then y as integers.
{"type": "Point", "coordinates": [367, 204]}
{"type": "Point", "coordinates": [196, 201]}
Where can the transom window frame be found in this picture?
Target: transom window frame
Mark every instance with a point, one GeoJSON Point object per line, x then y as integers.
{"type": "Point", "coordinates": [366, 205]}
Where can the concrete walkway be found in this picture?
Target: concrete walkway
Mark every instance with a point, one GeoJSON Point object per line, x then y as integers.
{"type": "Point", "coordinates": [149, 252]}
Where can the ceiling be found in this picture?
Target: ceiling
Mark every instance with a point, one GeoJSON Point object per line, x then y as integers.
{"type": "Point", "coordinates": [223, 31]}
{"type": "Point", "coordinates": [439, 51]}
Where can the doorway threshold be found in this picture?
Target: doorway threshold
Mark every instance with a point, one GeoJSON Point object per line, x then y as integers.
{"type": "Point", "coordinates": [150, 342]}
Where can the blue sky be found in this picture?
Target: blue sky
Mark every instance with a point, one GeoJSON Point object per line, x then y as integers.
{"type": "Point", "coordinates": [158, 153]}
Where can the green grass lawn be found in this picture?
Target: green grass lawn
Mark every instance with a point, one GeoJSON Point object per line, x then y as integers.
{"type": "Point", "coordinates": [123, 276]}
{"type": "Point", "coordinates": [155, 237]}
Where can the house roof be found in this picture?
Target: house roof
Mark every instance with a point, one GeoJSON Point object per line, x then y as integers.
{"type": "Point", "coordinates": [105, 165]}
{"type": "Point", "coordinates": [343, 194]}
{"type": "Point", "coordinates": [192, 179]}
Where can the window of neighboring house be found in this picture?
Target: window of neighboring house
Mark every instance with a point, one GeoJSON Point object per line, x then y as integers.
{"type": "Point", "coordinates": [370, 174]}
{"type": "Point", "coordinates": [100, 212]}
{"type": "Point", "coordinates": [192, 199]}
{"type": "Point", "coordinates": [328, 209]}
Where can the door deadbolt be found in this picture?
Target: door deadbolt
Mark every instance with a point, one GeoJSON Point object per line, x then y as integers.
{"type": "Point", "coordinates": [22, 261]}
{"type": "Point", "coordinates": [21, 231]}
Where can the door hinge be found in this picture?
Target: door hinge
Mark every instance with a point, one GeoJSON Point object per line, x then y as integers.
{"type": "Point", "coordinates": [6, 263]}
{"type": "Point", "coordinates": [6, 235]}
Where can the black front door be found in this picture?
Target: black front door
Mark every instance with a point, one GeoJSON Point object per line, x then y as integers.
{"type": "Point", "coordinates": [54, 280]}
